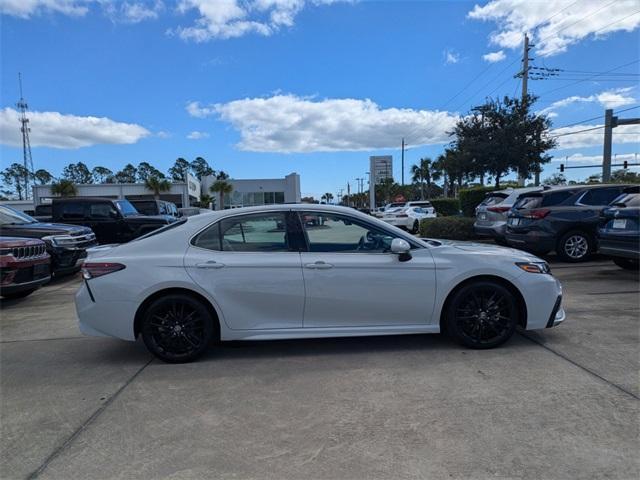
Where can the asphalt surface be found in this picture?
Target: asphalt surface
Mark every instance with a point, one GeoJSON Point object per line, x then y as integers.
{"type": "Point", "coordinates": [559, 403]}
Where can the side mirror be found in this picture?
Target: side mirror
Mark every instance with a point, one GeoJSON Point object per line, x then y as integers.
{"type": "Point", "coordinates": [401, 248]}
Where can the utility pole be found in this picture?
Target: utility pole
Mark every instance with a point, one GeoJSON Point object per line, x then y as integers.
{"type": "Point", "coordinates": [525, 81]}
{"type": "Point", "coordinates": [402, 162]}
{"type": "Point", "coordinates": [26, 143]}
{"type": "Point", "coordinates": [610, 122]}
{"type": "Point", "coordinates": [348, 194]}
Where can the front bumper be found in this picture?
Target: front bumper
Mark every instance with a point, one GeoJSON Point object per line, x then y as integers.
{"type": "Point", "coordinates": [557, 314]}
{"type": "Point", "coordinates": [67, 260]}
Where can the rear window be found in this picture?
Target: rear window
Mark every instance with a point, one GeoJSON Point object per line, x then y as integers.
{"type": "Point", "coordinates": [493, 199]}
{"type": "Point", "coordinates": [628, 200]}
{"type": "Point", "coordinates": [528, 202]}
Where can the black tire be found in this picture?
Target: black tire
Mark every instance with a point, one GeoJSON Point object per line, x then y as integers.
{"type": "Point", "coordinates": [627, 263]}
{"type": "Point", "coordinates": [177, 328]}
{"type": "Point", "coordinates": [21, 294]}
{"type": "Point", "coordinates": [482, 314]}
{"type": "Point", "coordinates": [416, 227]}
{"type": "Point", "coordinates": [575, 246]}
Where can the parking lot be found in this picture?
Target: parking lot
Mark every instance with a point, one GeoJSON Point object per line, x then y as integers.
{"type": "Point", "coordinates": [559, 403]}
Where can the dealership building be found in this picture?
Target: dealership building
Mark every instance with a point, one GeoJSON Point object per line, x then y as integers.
{"type": "Point", "coordinates": [246, 192]}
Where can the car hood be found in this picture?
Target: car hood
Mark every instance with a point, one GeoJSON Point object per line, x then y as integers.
{"type": "Point", "coordinates": [486, 249]}
{"type": "Point", "coordinates": [38, 230]}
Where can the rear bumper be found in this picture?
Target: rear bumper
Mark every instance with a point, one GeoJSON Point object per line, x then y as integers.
{"type": "Point", "coordinates": [533, 241]}
{"type": "Point", "coordinates": [104, 318]}
{"type": "Point", "coordinates": [493, 231]}
{"type": "Point", "coordinates": [399, 222]}
{"type": "Point", "coordinates": [615, 247]}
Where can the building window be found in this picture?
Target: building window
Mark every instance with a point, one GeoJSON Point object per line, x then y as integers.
{"type": "Point", "coordinates": [249, 199]}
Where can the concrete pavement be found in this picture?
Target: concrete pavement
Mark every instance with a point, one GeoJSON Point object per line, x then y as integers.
{"type": "Point", "coordinates": [561, 403]}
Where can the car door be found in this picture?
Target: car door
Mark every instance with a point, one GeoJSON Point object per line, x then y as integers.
{"type": "Point", "coordinates": [353, 280]}
{"type": "Point", "coordinates": [251, 267]}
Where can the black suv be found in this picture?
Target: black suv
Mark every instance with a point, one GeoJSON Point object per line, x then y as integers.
{"type": "Point", "coordinates": [113, 221]}
{"type": "Point", "coordinates": [67, 244]}
{"type": "Point", "coordinates": [564, 219]}
{"type": "Point", "coordinates": [156, 207]}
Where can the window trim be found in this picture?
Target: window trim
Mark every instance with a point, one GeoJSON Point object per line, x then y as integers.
{"type": "Point", "coordinates": [218, 222]}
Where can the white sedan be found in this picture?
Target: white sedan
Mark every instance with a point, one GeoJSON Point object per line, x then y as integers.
{"type": "Point", "coordinates": [263, 273]}
{"type": "Point", "coordinates": [408, 217]}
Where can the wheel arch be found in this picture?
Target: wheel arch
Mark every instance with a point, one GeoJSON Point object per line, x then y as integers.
{"type": "Point", "coordinates": [175, 290]}
{"type": "Point", "coordinates": [522, 305]}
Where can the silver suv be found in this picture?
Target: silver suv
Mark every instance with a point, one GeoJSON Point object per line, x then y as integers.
{"type": "Point", "coordinates": [491, 214]}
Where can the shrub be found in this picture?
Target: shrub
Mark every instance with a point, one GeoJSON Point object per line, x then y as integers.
{"type": "Point", "coordinates": [446, 207]}
{"type": "Point", "coordinates": [470, 198]}
{"type": "Point", "coordinates": [448, 228]}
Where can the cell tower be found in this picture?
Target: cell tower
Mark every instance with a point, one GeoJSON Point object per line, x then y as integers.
{"type": "Point", "coordinates": [26, 144]}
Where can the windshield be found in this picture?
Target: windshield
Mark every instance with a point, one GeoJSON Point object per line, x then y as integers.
{"type": "Point", "coordinates": [126, 209]}
{"type": "Point", "coordinates": [10, 216]}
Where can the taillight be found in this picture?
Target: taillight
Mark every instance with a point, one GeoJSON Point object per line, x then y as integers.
{"type": "Point", "coordinates": [98, 269]}
{"type": "Point", "coordinates": [538, 213]}
{"type": "Point", "coordinates": [498, 209]}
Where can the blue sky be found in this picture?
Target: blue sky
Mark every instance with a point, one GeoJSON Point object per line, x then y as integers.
{"type": "Point", "coordinates": [267, 87]}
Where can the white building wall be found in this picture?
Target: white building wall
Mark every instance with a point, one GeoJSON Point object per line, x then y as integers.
{"type": "Point", "coordinates": [289, 186]}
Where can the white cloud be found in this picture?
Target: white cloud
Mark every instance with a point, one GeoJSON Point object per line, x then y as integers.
{"type": "Point", "coordinates": [613, 98]}
{"type": "Point", "coordinates": [195, 135]}
{"type": "Point", "coordinates": [288, 123]}
{"type": "Point", "coordinates": [196, 110]}
{"type": "Point", "coordinates": [27, 8]}
{"type": "Point", "coordinates": [163, 134]}
{"type": "Point", "coordinates": [133, 12]}
{"type": "Point", "coordinates": [593, 138]}
{"type": "Point", "coordinates": [224, 19]}
{"type": "Point", "coordinates": [566, 22]}
{"type": "Point", "coordinates": [591, 159]}
{"type": "Point", "coordinates": [56, 130]}
{"type": "Point", "coordinates": [494, 57]}
{"type": "Point", "coordinates": [451, 57]}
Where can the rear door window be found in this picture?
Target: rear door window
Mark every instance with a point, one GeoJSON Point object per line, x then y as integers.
{"type": "Point", "coordinates": [71, 210]}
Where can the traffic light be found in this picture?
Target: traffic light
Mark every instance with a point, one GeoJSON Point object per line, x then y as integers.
{"type": "Point", "coordinates": [562, 167]}
{"type": "Point", "coordinates": [625, 164]}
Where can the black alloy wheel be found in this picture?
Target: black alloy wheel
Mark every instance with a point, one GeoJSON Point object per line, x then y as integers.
{"type": "Point", "coordinates": [482, 314]}
{"type": "Point", "coordinates": [575, 246]}
{"type": "Point", "coordinates": [177, 328]}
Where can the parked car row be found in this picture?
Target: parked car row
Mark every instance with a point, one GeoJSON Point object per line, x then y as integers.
{"type": "Point", "coordinates": [34, 249]}
{"type": "Point", "coordinates": [569, 220]}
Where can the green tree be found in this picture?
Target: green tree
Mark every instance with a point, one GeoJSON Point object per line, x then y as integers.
{"type": "Point", "coordinates": [456, 169]}
{"type": "Point", "coordinates": [77, 173]}
{"type": "Point", "coordinates": [16, 178]}
{"type": "Point", "coordinates": [157, 185]}
{"type": "Point", "coordinates": [385, 190]}
{"type": "Point", "coordinates": [308, 200]}
{"type": "Point", "coordinates": [327, 197]}
{"type": "Point", "coordinates": [501, 136]}
{"type": "Point", "coordinates": [127, 175]}
{"type": "Point", "coordinates": [146, 171]}
{"type": "Point", "coordinates": [200, 168]}
{"type": "Point", "coordinates": [625, 176]}
{"type": "Point", "coordinates": [426, 171]}
{"type": "Point", "coordinates": [42, 176]}
{"type": "Point", "coordinates": [64, 188]}
{"type": "Point", "coordinates": [102, 175]}
{"type": "Point", "coordinates": [555, 179]}
{"type": "Point", "coordinates": [178, 172]}
{"type": "Point", "coordinates": [222, 187]}
{"type": "Point", "coordinates": [205, 200]}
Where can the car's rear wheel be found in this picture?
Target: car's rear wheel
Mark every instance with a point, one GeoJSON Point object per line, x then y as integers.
{"type": "Point", "coordinates": [574, 246]}
{"type": "Point", "coordinates": [627, 263]}
{"type": "Point", "coordinates": [482, 314]}
{"type": "Point", "coordinates": [177, 328]}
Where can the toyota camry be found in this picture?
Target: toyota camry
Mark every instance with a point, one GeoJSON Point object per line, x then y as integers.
{"type": "Point", "coordinates": [304, 271]}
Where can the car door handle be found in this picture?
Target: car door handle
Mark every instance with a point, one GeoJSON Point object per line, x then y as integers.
{"type": "Point", "coordinates": [210, 264]}
{"type": "Point", "coordinates": [319, 265]}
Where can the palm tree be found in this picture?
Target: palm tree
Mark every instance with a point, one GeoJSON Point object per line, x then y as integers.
{"type": "Point", "coordinates": [157, 185]}
{"type": "Point", "coordinates": [327, 197]}
{"type": "Point", "coordinates": [222, 187]}
{"type": "Point", "coordinates": [64, 188]}
{"type": "Point", "coordinates": [426, 171]}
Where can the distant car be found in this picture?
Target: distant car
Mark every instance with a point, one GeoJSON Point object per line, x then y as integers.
{"type": "Point", "coordinates": [155, 207]}
{"type": "Point", "coordinates": [25, 266]}
{"type": "Point", "coordinates": [408, 217]}
{"type": "Point", "coordinates": [562, 219]}
{"type": "Point", "coordinates": [66, 244]}
{"type": "Point", "coordinates": [112, 221]}
{"type": "Point", "coordinates": [619, 232]}
{"type": "Point", "coordinates": [491, 213]}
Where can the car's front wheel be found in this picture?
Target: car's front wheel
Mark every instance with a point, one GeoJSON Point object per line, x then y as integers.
{"type": "Point", "coordinates": [177, 328]}
{"type": "Point", "coordinates": [482, 314]}
{"type": "Point", "coordinates": [575, 246]}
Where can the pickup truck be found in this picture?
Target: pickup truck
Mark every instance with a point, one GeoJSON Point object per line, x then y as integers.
{"type": "Point", "coordinates": [113, 221]}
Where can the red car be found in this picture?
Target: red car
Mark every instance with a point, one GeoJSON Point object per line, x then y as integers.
{"type": "Point", "coordinates": [25, 266]}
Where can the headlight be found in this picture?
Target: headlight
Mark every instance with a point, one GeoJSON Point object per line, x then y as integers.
{"type": "Point", "coordinates": [60, 240]}
{"type": "Point", "coordinates": [534, 267]}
